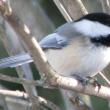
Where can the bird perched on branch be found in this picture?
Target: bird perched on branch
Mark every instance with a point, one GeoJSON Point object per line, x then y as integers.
{"type": "Point", "coordinates": [81, 47]}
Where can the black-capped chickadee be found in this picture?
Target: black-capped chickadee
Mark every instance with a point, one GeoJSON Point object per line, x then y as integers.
{"type": "Point", "coordinates": [81, 47]}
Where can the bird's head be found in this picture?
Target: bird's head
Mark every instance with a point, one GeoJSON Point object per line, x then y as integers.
{"type": "Point", "coordinates": [96, 26]}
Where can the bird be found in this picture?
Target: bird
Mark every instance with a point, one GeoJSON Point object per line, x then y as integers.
{"type": "Point", "coordinates": [80, 47]}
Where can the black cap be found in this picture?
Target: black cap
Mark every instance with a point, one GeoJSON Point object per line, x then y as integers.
{"type": "Point", "coordinates": [97, 17]}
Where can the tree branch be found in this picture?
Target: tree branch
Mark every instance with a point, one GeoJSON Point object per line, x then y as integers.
{"type": "Point", "coordinates": [70, 11]}
{"type": "Point", "coordinates": [23, 95]}
{"type": "Point", "coordinates": [105, 6]}
{"type": "Point", "coordinates": [21, 80]}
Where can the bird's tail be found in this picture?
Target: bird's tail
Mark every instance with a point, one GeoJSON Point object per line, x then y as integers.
{"type": "Point", "coordinates": [15, 61]}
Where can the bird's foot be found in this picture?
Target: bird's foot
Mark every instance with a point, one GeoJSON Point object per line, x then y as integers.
{"type": "Point", "coordinates": [87, 80]}
{"type": "Point", "coordinates": [93, 81]}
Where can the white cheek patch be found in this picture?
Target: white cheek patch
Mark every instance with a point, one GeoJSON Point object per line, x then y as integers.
{"type": "Point", "coordinates": [91, 28]}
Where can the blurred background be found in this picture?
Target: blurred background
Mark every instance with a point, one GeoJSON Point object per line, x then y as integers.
{"type": "Point", "coordinates": [43, 17]}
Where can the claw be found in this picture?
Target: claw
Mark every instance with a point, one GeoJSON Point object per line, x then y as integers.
{"type": "Point", "coordinates": [88, 80]}
{"type": "Point", "coordinates": [94, 82]}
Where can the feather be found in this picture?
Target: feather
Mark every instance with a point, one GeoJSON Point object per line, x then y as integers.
{"type": "Point", "coordinates": [54, 41]}
{"type": "Point", "coordinates": [15, 61]}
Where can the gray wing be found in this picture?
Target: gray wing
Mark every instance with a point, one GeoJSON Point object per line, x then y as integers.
{"type": "Point", "coordinates": [16, 60]}
{"type": "Point", "coordinates": [53, 41]}
{"type": "Point", "coordinates": [62, 37]}
{"type": "Point", "coordinates": [57, 40]}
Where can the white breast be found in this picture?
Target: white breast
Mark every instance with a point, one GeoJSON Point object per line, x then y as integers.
{"type": "Point", "coordinates": [79, 59]}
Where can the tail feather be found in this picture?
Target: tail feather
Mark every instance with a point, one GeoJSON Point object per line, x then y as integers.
{"type": "Point", "coordinates": [15, 61]}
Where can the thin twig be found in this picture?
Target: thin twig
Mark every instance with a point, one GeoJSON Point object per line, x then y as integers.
{"type": "Point", "coordinates": [63, 10]}
{"type": "Point", "coordinates": [105, 6]}
{"type": "Point", "coordinates": [81, 5]}
{"type": "Point", "coordinates": [104, 77]}
{"type": "Point", "coordinates": [47, 102]}
{"type": "Point", "coordinates": [74, 8]}
{"type": "Point", "coordinates": [20, 80]}
{"type": "Point", "coordinates": [23, 95]}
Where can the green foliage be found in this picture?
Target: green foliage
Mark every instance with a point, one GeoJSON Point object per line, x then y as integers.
{"type": "Point", "coordinates": [99, 104]}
